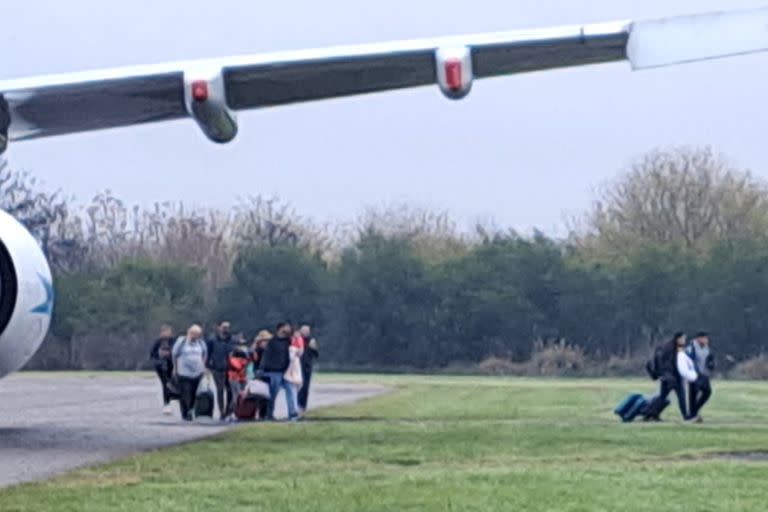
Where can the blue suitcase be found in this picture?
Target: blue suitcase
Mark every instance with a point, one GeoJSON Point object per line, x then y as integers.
{"type": "Point", "coordinates": [629, 408]}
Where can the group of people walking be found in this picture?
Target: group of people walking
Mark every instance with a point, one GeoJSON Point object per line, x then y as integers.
{"type": "Point", "coordinates": [685, 368]}
{"type": "Point", "coordinates": [238, 370]}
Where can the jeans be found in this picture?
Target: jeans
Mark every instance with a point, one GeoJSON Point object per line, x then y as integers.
{"type": "Point", "coordinates": [304, 391]}
{"type": "Point", "coordinates": [222, 389]}
{"type": "Point", "coordinates": [165, 376]}
{"type": "Point", "coordinates": [188, 392]}
{"type": "Point", "coordinates": [700, 391]}
{"type": "Point", "coordinates": [676, 385]}
{"type": "Point", "coordinates": [276, 382]}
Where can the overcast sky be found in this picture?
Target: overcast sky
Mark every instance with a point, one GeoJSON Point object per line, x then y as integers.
{"type": "Point", "coordinates": [524, 150]}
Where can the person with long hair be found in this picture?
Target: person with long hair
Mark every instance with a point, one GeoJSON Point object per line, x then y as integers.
{"type": "Point", "coordinates": [676, 368]}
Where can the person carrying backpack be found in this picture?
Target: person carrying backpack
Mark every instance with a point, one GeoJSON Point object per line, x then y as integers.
{"type": "Point", "coordinates": [704, 361]}
{"type": "Point", "coordinates": [672, 367]}
{"type": "Point", "coordinates": [189, 357]}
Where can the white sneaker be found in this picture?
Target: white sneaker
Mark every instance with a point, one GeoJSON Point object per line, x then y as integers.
{"type": "Point", "coordinates": [167, 410]}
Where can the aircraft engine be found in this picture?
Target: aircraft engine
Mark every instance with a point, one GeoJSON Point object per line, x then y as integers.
{"type": "Point", "coordinates": [205, 99]}
{"type": "Point", "coordinates": [26, 295]}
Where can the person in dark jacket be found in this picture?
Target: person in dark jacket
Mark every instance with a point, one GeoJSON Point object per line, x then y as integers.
{"type": "Point", "coordinates": [220, 347]}
{"type": "Point", "coordinates": [701, 390]}
{"type": "Point", "coordinates": [308, 358]}
{"type": "Point", "coordinates": [670, 378]}
{"type": "Point", "coordinates": [274, 361]}
{"type": "Point", "coordinates": [162, 360]}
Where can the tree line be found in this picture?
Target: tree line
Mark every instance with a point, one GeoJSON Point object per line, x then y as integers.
{"type": "Point", "coordinates": [678, 241]}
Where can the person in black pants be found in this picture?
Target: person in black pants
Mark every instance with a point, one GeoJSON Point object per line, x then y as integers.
{"type": "Point", "coordinates": [704, 362]}
{"type": "Point", "coordinates": [189, 357]}
{"type": "Point", "coordinates": [308, 358]}
{"type": "Point", "coordinates": [670, 378]}
{"type": "Point", "coordinates": [163, 362]}
{"type": "Point", "coordinates": [220, 347]}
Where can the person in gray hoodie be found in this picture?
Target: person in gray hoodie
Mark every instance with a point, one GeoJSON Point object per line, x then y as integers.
{"type": "Point", "coordinates": [704, 361]}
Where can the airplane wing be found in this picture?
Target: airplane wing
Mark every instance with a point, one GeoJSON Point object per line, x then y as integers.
{"type": "Point", "coordinates": [210, 91]}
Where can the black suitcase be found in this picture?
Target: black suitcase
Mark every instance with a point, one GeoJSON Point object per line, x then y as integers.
{"type": "Point", "coordinates": [204, 404]}
{"type": "Point", "coordinates": [655, 407]}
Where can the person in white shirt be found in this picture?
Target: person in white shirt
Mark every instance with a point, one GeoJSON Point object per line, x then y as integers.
{"type": "Point", "coordinates": [675, 369]}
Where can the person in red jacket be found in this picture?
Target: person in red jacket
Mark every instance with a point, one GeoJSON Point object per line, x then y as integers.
{"type": "Point", "coordinates": [237, 370]}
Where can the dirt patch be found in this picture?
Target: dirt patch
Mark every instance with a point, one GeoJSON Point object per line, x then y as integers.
{"type": "Point", "coordinates": [745, 456]}
{"type": "Point", "coordinates": [755, 456]}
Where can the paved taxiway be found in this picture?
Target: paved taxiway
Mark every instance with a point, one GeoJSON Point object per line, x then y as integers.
{"type": "Point", "coordinates": [50, 423]}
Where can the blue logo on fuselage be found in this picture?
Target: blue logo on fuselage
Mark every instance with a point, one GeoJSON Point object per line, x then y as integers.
{"type": "Point", "coordinates": [46, 307]}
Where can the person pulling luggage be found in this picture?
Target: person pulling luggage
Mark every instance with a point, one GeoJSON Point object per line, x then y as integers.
{"type": "Point", "coordinates": [673, 367]}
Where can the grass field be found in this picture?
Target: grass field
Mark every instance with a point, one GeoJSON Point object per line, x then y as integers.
{"type": "Point", "coordinates": [450, 444]}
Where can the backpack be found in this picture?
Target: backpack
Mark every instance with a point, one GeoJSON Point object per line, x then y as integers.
{"type": "Point", "coordinates": [653, 366]}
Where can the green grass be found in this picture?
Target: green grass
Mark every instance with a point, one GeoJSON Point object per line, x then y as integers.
{"type": "Point", "coordinates": [448, 443]}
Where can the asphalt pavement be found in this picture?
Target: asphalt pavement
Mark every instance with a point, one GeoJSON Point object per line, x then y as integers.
{"type": "Point", "coordinates": [52, 423]}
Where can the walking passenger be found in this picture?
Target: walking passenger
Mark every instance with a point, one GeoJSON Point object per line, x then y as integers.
{"type": "Point", "coordinates": [308, 358]}
{"type": "Point", "coordinates": [701, 390]}
{"type": "Point", "coordinates": [237, 374]}
{"type": "Point", "coordinates": [275, 360]}
{"type": "Point", "coordinates": [220, 347]}
{"type": "Point", "coordinates": [674, 369]}
{"type": "Point", "coordinates": [189, 358]}
{"type": "Point", "coordinates": [163, 362]}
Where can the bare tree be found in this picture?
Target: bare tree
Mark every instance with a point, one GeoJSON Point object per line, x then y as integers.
{"type": "Point", "coordinates": [433, 234]}
{"type": "Point", "coordinates": [45, 215]}
{"type": "Point", "coordinates": [686, 195]}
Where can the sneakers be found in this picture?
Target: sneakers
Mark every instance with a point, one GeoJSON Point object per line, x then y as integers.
{"type": "Point", "coordinates": [695, 419]}
{"type": "Point", "coordinates": [167, 410]}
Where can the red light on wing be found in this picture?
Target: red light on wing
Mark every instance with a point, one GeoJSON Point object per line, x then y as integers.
{"type": "Point", "coordinates": [199, 90]}
{"type": "Point", "coordinates": [453, 74]}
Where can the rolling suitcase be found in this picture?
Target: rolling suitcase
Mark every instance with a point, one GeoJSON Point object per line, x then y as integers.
{"type": "Point", "coordinates": [245, 409]}
{"type": "Point", "coordinates": [655, 407]}
{"type": "Point", "coordinates": [630, 407]}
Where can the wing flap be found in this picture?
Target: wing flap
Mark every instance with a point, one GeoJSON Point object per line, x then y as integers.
{"type": "Point", "coordinates": [700, 37]}
{"type": "Point", "coordinates": [84, 106]}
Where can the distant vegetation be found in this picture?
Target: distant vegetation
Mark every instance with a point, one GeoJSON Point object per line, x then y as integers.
{"type": "Point", "coordinates": [678, 242]}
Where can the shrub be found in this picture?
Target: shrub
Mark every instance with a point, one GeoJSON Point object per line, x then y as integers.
{"type": "Point", "coordinates": [755, 368]}
{"type": "Point", "coordinates": [558, 359]}
{"type": "Point", "coordinates": [501, 366]}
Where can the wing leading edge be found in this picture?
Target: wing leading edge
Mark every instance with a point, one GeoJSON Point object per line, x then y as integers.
{"type": "Point", "coordinates": [211, 90]}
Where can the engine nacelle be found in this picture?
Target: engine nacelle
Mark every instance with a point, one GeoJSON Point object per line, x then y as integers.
{"type": "Point", "coordinates": [454, 71]}
{"type": "Point", "coordinates": [26, 295]}
{"type": "Point", "coordinates": [206, 101]}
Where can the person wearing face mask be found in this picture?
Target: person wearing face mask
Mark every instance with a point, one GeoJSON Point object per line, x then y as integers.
{"type": "Point", "coordinates": [220, 348]}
